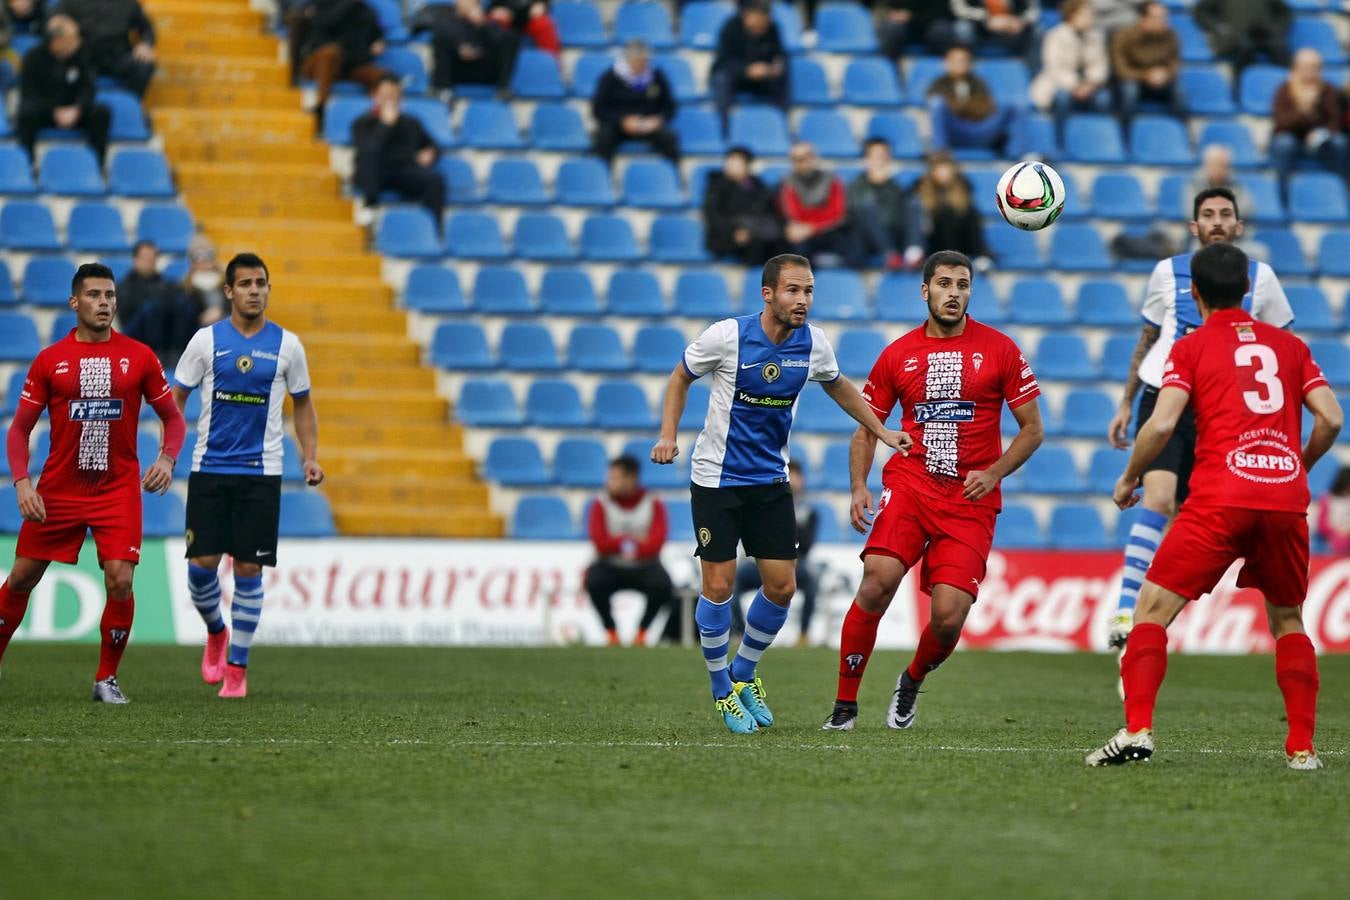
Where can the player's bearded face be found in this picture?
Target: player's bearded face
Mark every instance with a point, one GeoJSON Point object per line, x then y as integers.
{"type": "Point", "coordinates": [248, 295]}
{"type": "Point", "coordinates": [96, 304]}
{"type": "Point", "coordinates": [948, 295]}
{"type": "Point", "coordinates": [1217, 222]}
{"type": "Point", "coordinates": [790, 303]}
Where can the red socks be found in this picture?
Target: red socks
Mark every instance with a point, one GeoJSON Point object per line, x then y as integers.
{"type": "Point", "coordinates": [856, 640]}
{"type": "Point", "coordinates": [930, 654]}
{"type": "Point", "coordinates": [114, 629]}
{"type": "Point", "coordinates": [1142, 670]}
{"type": "Point", "coordinates": [13, 605]}
{"type": "Point", "coordinates": [1296, 674]}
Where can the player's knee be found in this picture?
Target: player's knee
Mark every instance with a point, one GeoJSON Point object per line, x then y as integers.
{"type": "Point", "coordinates": [246, 570]}
{"type": "Point", "coordinates": [717, 589]}
{"type": "Point", "coordinates": [874, 594]}
{"type": "Point", "coordinates": [1164, 502]}
{"type": "Point", "coordinates": [1284, 620]}
{"type": "Point", "coordinates": [118, 582]}
{"type": "Point", "coordinates": [23, 582]}
{"type": "Point", "coordinates": [947, 628]}
{"type": "Point", "coordinates": [780, 590]}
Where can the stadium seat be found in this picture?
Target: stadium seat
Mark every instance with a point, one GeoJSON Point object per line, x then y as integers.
{"type": "Point", "coordinates": [1237, 138]}
{"type": "Point", "coordinates": [653, 477]}
{"type": "Point", "coordinates": [515, 462]}
{"type": "Point", "coordinates": [1319, 34]}
{"type": "Point", "coordinates": [568, 292]}
{"type": "Point", "coordinates": [1194, 45]}
{"type": "Point", "coordinates": [1284, 251]}
{"type": "Point", "coordinates": [695, 408]}
{"type": "Point", "coordinates": [920, 74]}
{"type": "Point", "coordinates": [683, 85]}
{"type": "Point", "coordinates": [844, 28]}
{"type": "Point", "coordinates": [1017, 529]}
{"type": "Point", "coordinates": [1012, 248]}
{"type": "Point", "coordinates": [698, 181]}
{"type": "Point", "coordinates": [701, 23]}
{"type": "Point", "coordinates": [11, 398]}
{"type": "Point", "coordinates": [475, 236]}
{"type": "Point", "coordinates": [702, 295]}
{"type": "Point", "coordinates": [1334, 358]}
{"type": "Point", "coordinates": [580, 463]}
{"type": "Point", "coordinates": [900, 131]}
{"type": "Point", "coordinates": [1104, 304]}
{"type": "Point", "coordinates": [543, 518]}
{"type": "Point", "coordinates": [527, 347]}
{"type": "Point", "coordinates": [1007, 79]}
{"type": "Point", "coordinates": [515, 182]}
{"type": "Point", "coordinates": [501, 290]}
{"type": "Point", "coordinates": [488, 403]}
{"type": "Point", "coordinates": [128, 118]}
{"type": "Point", "coordinates": [305, 514]}
{"type": "Point", "coordinates": [536, 76]}
{"type": "Point", "coordinates": [27, 226]}
{"type": "Point", "coordinates": [1093, 138]}
{"type": "Point", "coordinates": [7, 295]}
{"type": "Point", "coordinates": [677, 239]}
{"type": "Point", "coordinates": [587, 71]}
{"type": "Point", "coordinates": [652, 184]}
{"type": "Point", "coordinates": [559, 128]}
{"type": "Point", "coordinates": [1041, 136]}
{"type": "Point", "coordinates": [596, 348]}
{"type": "Point", "coordinates": [1160, 141]}
{"type": "Point", "coordinates": [635, 293]}
{"type": "Point", "coordinates": [64, 321]}
{"type": "Point", "coordinates": [461, 345]}
{"type": "Point", "coordinates": [579, 23]}
{"type": "Point", "coordinates": [433, 289]}
{"type": "Point", "coordinates": [11, 520]}
{"type": "Point", "coordinates": [338, 115]}
{"type": "Point", "coordinates": [18, 338]}
{"type": "Point", "coordinates": [584, 182]}
{"type": "Point", "coordinates": [46, 280]}
{"type": "Point", "coordinates": [461, 184]}
{"type": "Point", "coordinates": [1333, 253]}
{"type": "Point", "coordinates": [162, 515]}
{"type": "Point", "coordinates": [96, 227]}
{"type": "Point", "coordinates": [1064, 357]}
{"type": "Point", "coordinates": [1079, 247]}
{"type": "Point", "coordinates": [1038, 301]}
{"type": "Point", "coordinates": [985, 305]}
{"type": "Point", "coordinates": [16, 176]}
{"type": "Point", "coordinates": [170, 226]}
{"type": "Point", "coordinates": [858, 350]}
{"type": "Point", "coordinates": [658, 348]}
{"type": "Point", "coordinates": [1312, 312]}
{"type": "Point", "coordinates": [1051, 470]}
{"type": "Point", "coordinates": [1119, 195]}
{"type": "Point", "coordinates": [489, 125]}
{"type": "Point", "coordinates": [542, 237]}
{"type": "Point", "coordinates": [760, 128]}
{"type": "Point", "coordinates": [807, 84]}
{"type": "Point", "coordinates": [1086, 413]}
{"type": "Point", "coordinates": [406, 65]}
{"type": "Point", "coordinates": [140, 172]}
{"type": "Point", "coordinates": [841, 296]}
{"type": "Point", "coordinates": [830, 133]}
{"type": "Point", "coordinates": [1078, 526]}
{"type": "Point", "coordinates": [606, 238]}
{"type": "Point", "coordinates": [1207, 91]}
{"type": "Point", "coordinates": [555, 403]}
{"type": "Point", "coordinates": [871, 81]}
{"type": "Point", "coordinates": [833, 473]}
{"type": "Point", "coordinates": [71, 170]}
{"type": "Point", "coordinates": [699, 131]}
{"type": "Point", "coordinates": [407, 233]}
{"type": "Point", "coordinates": [1257, 86]}
{"type": "Point", "coordinates": [1104, 469]}
{"type": "Point", "coordinates": [1117, 352]}
{"type": "Point", "coordinates": [1318, 197]}
{"type": "Point", "coordinates": [622, 405]}
{"type": "Point", "coordinates": [647, 20]}
{"type": "Point", "coordinates": [818, 414]}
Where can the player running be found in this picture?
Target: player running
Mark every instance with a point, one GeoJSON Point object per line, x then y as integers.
{"type": "Point", "coordinates": [245, 366]}
{"type": "Point", "coordinates": [951, 376]}
{"type": "Point", "coordinates": [90, 383]}
{"type": "Point", "coordinates": [740, 492]}
{"type": "Point", "coordinates": [1169, 314]}
{"type": "Point", "coordinates": [1245, 381]}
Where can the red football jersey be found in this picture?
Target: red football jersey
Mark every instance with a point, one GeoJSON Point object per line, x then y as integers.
{"type": "Point", "coordinates": [92, 393]}
{"type": "Point", "coordinates": [952, 392]}
{"type": "Point", "coordinates": [1247, 381]}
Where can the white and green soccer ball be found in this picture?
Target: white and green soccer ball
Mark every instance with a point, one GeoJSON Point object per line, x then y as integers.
{"type": "Point", "coordinates": [1030, 195]}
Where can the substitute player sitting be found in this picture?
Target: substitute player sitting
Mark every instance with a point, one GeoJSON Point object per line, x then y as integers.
{"type": "Point", "coordinates": [1245, 381]}
{"type": "Point", "coordinates": [951, 376]}
{"type": "Point", "coordinates": [90, 383]}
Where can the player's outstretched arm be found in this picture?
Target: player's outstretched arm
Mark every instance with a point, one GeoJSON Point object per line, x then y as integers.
{"type": "Point", "coordinates": [1327, 420]}
{"type": "Point", "coordinates": [672, 407]}
{"type": "Point", "coordinates": [1118, 432]}
{"type": "Point", "coordinates": [842, 391]}
{"type": "Point", "coordinates": [1153, 436]}
{"type": "Point", "coordinates": [306, 419]}
{"type": "Point", "coordinates": [1030, 434]}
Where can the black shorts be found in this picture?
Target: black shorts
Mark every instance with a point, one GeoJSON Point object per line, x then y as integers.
{"type": "Point", "coordinates": [1178, 454]}
{"type": "Point", "coordinates": [760, 517]}
{"type": "Point", "coordinates": [234, 514]}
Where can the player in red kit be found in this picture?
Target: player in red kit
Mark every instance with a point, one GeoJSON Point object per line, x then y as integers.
{"type": "Point", "coordinates": [951, 376]}
{"type": "Point", "coordinates": [1246, 382]}
{"type": "Point", "coordinates": [90, 383]}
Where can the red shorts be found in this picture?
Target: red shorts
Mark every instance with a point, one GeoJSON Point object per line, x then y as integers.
{"type": "Point", "coordinates": [114, 519]}
{"type": "Point", "coordinates": [954, 543]}
{"type": "Point", "coordinates": [1202, 543]}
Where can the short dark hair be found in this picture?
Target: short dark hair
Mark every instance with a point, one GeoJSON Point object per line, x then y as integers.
{"type": "Point", "coordinates": [388, 78]}
{"type": "Point", "coordinates": [1209, 194]}
{"type": "Point", "coordinates": [89, 270]}
{"type": "Point", "coordinates": [1219, 275]}
{"type": "Point", "coordinates": [245, 261]}
{"type": "Point", "coordinates": [774, 267]}
{"type": "Point", "coordinates": [627, 464]}
{"type": "Point", "coordinates": [946, 258]}
{"type": "Point", "coordinates": [741, 150]}
{"type": "Point", "coordinates": [142, 244]}
{"type": "Point", "coordinates": [756, 6]}
{"type": "Point", "coordinates": [873, 141]}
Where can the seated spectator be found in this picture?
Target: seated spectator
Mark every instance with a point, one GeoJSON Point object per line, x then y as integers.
{"type": "Point", "coordinates": [1333, 514]}
{"type": "Point", "coordinates": [1240, 30]}
{"type": "Point", "coordinates": [812, 200]}
{"type": "Point", "coordinates": [204, 282]}
{"type": "Point", "coordinates": [747, 571]}
{"type": "Point", "coordinates": [881, 214]}
{"type": "Point", "coordinates": [108, 26]}
{"type": "Point", "coordinates": [1074, 67]}
{"type": "Point", "coordinates": [24, 16]}
{"type": "Point", "coordinates": [1216, 170]}
{"type": "Point", "coordinates": [964, 112]}
{"type": "Point", "coordinates": [395, 153]}
{"type": "Point", "coordinates": [1007, 25]}
{"type": "Point", "coordinates": [951, 221]}
{"type": "Point", "coordinates": [1307, 119]}
{"type": "Point", "coordinates": [531, 18]}
{"type": "Point", "coordinates": [468, 47]}
{"type": "Point", "coordinates": [740, 212]}
{"type": "Point", "coordinates": [56, 90]}
{"type": "Point", "coordinates": [1147, 59]}
{"type": "Point", "coordinates": [156, 312]}
{"type": "Point", "coordinates": [633, 102]}
{"type": "Point", "coordinates": [750, 59]}
{"type": "Point", "coordinates": [339, 39]}
{"type": "Point", "coordinates": [926, 23]}
{"type": "Point", "coordinates": [627, 527]}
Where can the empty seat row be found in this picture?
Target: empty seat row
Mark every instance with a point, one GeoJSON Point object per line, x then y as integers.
{"type": "Point", "coordinates": [28, 226]}
{"type": "Point", "coordinates": [73, 170]}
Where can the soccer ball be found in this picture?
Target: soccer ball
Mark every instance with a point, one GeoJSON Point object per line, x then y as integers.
{"type": "Point", "coordinates": [1030, 195]}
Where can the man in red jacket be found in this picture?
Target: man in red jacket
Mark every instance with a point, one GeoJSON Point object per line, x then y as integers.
{"type": "Point", "coordinates": [812, 199]}
{"type": "Point", "coordinates": [628, 527]}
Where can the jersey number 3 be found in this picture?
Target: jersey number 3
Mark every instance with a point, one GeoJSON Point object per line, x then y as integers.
{"type": "Point", "coordinates": [1261, 366]}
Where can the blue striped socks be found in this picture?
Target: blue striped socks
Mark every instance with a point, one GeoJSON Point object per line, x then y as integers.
{"type": "Point", "coordinates": [1145, 535]}
{"type": "Point", "coordinates": [204, 588]}
{"type": "Point", "coordinates": [244, 614]}
{"type": "Point", "coordinates": [714, 630]}
{"type": "Point", "coordinates": [762, 623]}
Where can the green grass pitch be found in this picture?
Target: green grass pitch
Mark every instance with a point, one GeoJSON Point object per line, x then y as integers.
{"type": "Point", "coordinates": [588, 772]}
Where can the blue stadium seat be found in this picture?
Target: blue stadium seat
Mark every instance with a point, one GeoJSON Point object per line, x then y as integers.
{"type": "Point", "coordinates": [162, 515]}
{"type": "Point", "coordinates": [702, 295]}
{"type": "Point", "coordinates": [606, 238]}
{"type": "Point", "coordinates": [556, 127]}
{"type": "Point", "coordinates": [527, 347]}
{"type": "Point", "coordinates": [844, 28]}
{"type": "Point", "coordinates": [10, 518]}
{"type": "Point", "coordinates": [461, 345]}
{"type": "Point", "coordinates": [515, 182]}
{"type": "Point", "coordinates": [16, 175]}
{"type": "Point", "coordinates": [683, 85]}
{"type": "Point", "coordinates": [18, 337]}
{"type": "Point", "coordinates": [677, 239]}
{"type": "Point", "coordinates": [1160, 141]}
{"type": "Point", "coordinates": [1086, 413]}
{"type": "Point", "coordinates": [1207, 91]}
{"type": "Point", "coordinates": [435, 118]}
{"type": "Point", "coordinates": [919, 77]}
{"type": "Point", "coordinates": [1117, 353]}
{"type": "Point", "coordinates": [841, 296]}
{"type": "Point", "coordinates": [338, 115]}
{"type": "Point", "coordinates": [701, 23]}
{"type": "Point", "coordinates": [596, 348]}
{"type": "Point", "coordinates": [1038, 301]}
{"type": "Point", "coordinates": [761, 128]}
{"type": "Point", "coordinates": [71, 170]}
{"type": "Point", "coordinates": [829, 131]}
{"type": "Point", "coordinates": [587, 71]}
{"type": "Point", "coordinates": [1319, 34]}
{"type": "Point", "coordinates": [64, 321]}
{"type": "Point", "coordinates": [488, 403]}
{"type": "Point", "coordinates": [900, 131]}
{"type": "Point", "coordinates": [833, 474]}
{"type": "Point", "coordinates": [871, 81]}
{"type": "Point", "coordinates": [828, 529]}
{"type": "Point", "coordinates": [580, 463]}
{"type": "Point", "coordinates": [1257, 86]}
{"type": "Point", "coordinates": [1041, 136]}
{"type": "Point", "coordinates": [1104, 469]}
{"type": "Point", "coordinates": [695, 408]}
{"type": "Point", "coordinates": [1334, 358]}
{"type": "Point", "coordinates": [542, 237]}
{"type": "Point", "coordinates": [1064, 357]}
{"type": "Point", "coordinates": [1119, 195]}
{"type": "Point", "coordinates": [543, 518]}
{"type": "Point", "coordinates": [1104, 304]}
{"type": "Point", "coordinates": [818, 414]}
{"type": "Point", "coordinates": [633, 292]}
{"type": "Point", "coordinates": [46, 280]}
{"type": "Point", "coordinates": [96, 227]}
{"type": "Point", "coordinates": [653, 477]}
{"type": "Point", "coordinates": [1194, 45]}
{"type": "Point", "coordinates": [699, 131]}
{"type": "Point", "coordinates": [1236, 137]}
{"type": "Point", "coordinates": [433, 289]}
{"type": "Point", "coordinates": [407, 233]}
{"type": "Point", "coordinates": [985, 305]}
{"type": "Point", "coordinates": [789, 26]}
{"type": "Point", "coordinates": [1333, 252]}
{"type": "Point", "coordinates": [515, 462]}
{"type": "Point", "coordinates": [170, 226]}
{"type": "Point", "coordinates": [461, 184]}
{"type": "Point", "coordinates": [7, 295]}
{"type": "Point", "coordinates": [389, 14]}
{"type": "Point", "coordinates": [1318, 197]}
{"type": "Point", "coordinates": [490, 125]}
{"type": "Point", "coordinates": [568, 292]}
{"type": "Point", "coordinates": [579, 23]}
{"type": "Point", "coordinates": [475, 236]}
{"type": "Point", "coordinates": [305, 514]}
{"type": "Point", "coordinates": [652, 184]}
{"type": "Point", "coordinates": [555, 403]}
{"type": "Point", "coordinates": [1312, 312]}
{"type": "Point", "coordinates": [140, 172]}
{"type": "Point", "coordinates": [647, 20]}
{"type": "Point", "coordinates": [807, 84]}
{"type": "Point", "coordinates": [897, 297]}
{"type": "Point", "coordinates": [658, 348]}
{"type": "Point", "coordinates": [1007, 79]}
{"type": "Point", "coordinates": [1078, 526]}
{"type": "Point", "coordinates": [1093, 138]}
{"type": "Point", "coordinates": [501, 290]}
{"type": "Point", "coordinates": [1284, 252]}
{"type": "Point", "coordinates": [584, 182]}
{"type": "Point", "coordinates": [1017, 529]}
{"type": "Point", "coordinates": [537, 77]}
{"type": "Point", "coordinates": [1051, 470]}
{"type": "Point", "coordinates": [27, 226]}
{"type": "Point", "coordinates": [1079, 247]}
{"type": "Point", "coordinates": [1013, 249]}
{"type": "Point", "coordinates": [406, 65]}
{"type": "Point", "coordinates": [858, 350]}
{"type": "Point", "coordinates": [622, 405]}
{"type": "Point", "coordinates": [128, 119]}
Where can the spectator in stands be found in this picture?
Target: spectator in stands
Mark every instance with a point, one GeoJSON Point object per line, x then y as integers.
{"type": "Point", "coordinates": [467, 46]}
{"type": "Point", "coordinates": [24, 16]}
{"type": "Point", "coordinates": [1307, 119]}
{"type": "Point", "coordinates": [1146, 58]}
{"type": "Point", "coordinates": [964, 112]}
{"type": "Point", "coordinates": [1113, 14]}
{"type": "Point", "coordinates": [1006, 24]}
{"type": "Point", "coordinates": [56, 89]}
{"type": "Point", "coordinates": [750, 58]}
{"type": "Point", "coordinates": [901, 23]}
{"type": "Point", "coordinates": [633, 102]}
{"type": "Point", "coordinates": [747, 572]}
{"type": "Point", "coordinates": [951, 221]}
{"type": "Point", "coordinates": [339, 40]}
{"type": "Point", "coordinates": [740, 212]}
{"type": "Point", "coordinates": [813, 203]}
{"type": "Point", "coordinates": [1239, 30]}
{"type": "Point", "coordinates": [1074, 68]}
{"type": "Point", "coordinates": [204, 281]}
{"type": "Point", "coordinates": [531, 18]}
{"type": "Point", "coordinates": [395, 153]}
{"type": "Point", "coordinates": [886, 219]}
{"type": "Point", "coordinates": [1216, 170]}
{"type": "Point", "coordinates": [154, 311]}
{"type": "Point", "coordinates": [108, 26]}
{"type": "Point", "coordinates": [628, 526]}
{"type": "Point", "coordinates": [1333, 514]}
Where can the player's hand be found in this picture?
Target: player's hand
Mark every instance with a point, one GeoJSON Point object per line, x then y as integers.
{"type": "Point", "coordinates": [898, 441]}
{"type": "Point", "coordinates": [862, 510]}
{"type": "Point", "coordinates": [1124, 495]}
{"type": "Point", "coordinates": [979, 484]}
{"type": "Point", "coordinates": [31, 506]}
{"type": "Point", "coordinates": [1118, 432]}
{"type": "Point", "coordinates": [144, 52]}
{"type": "Point", "coordinates": [313, 473]}
{"type": "Point", "coordinates": [665, 451]}
{"type": "Point", "coordinates": [159, 476]}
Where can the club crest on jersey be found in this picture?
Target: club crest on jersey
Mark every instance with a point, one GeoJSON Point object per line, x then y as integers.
{"type": "Point", "coordinates": [244, 364]}
{"type": "Point", "coordinates": [1246, 334]}
{"type": "Point", "coordinates": [704, 537]}
{"type": "Point", "coordinates": [977, 359]}
{"type": "Point", "coordinates": [124, 364]}
{"type": "Point", "coordinates": [771, 372]}
{"type": "Point", "coordinates": [95, 410]}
